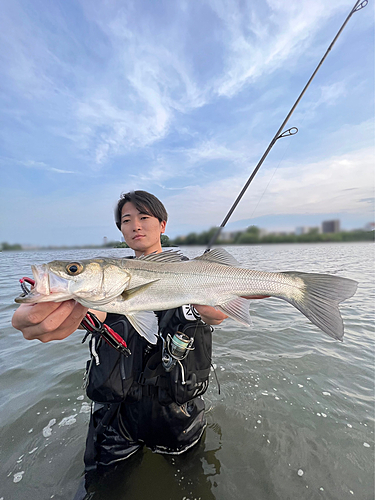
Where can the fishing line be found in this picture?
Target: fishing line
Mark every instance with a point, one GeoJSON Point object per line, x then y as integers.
{"type": "Point", "coordinates": [269, 182]}
{"type": "Point", "coordinates": [291, 131]}
{"type": "Point", "coordinates": [275, 170]}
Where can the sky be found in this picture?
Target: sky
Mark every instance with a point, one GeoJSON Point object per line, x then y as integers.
{"type": "Point", "coordinates": [181, 98]}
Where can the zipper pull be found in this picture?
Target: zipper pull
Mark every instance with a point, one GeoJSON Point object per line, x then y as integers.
{"type": "Point", "coordinates": [86, 375]}
{"type": "Point", "coordinates": [94, 353]}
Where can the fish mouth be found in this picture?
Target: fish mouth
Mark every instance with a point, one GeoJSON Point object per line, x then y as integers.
{"type": "Point", "coordinates": [47, 282]}
{"type": "Point", "coordinates": [41, 277]}
{"type": "Point", "coordinates": [48, 287]}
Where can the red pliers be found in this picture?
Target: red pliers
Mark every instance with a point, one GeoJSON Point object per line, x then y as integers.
{"type": "Point", "coordinates": [92, 325]}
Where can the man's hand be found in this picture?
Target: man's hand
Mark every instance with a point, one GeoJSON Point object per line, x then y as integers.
{"type": "Point", "coordinates": [210, 315]}
{"type": "Point", "coordinates": [48, 320]}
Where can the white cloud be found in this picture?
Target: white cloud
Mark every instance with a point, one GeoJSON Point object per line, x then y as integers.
{"type": "Point", "coordinates": [259, 46]}
{"type": "Point", "coordinates": [337, 184]}
{"type": "Point", "coordinates": [148, 75]}
{"type": "Point", "coordinates": [155, 83]}
{"type": "Point", "coordinates": [156, 68]}
{"type": "Point", "coordinates": [212, 149]}
{"type": "Point", "coordinates": [33, 164]}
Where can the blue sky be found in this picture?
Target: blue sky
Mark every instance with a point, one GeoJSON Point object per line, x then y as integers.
{"type": "Point", "coordinates": [181, 98]}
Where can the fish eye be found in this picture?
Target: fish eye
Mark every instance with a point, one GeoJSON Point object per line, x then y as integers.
{"type": "Point", "coordinates": [74, 268]}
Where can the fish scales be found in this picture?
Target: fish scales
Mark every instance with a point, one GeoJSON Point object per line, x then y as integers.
{"type": "Point", "coordinates": [198, 279]}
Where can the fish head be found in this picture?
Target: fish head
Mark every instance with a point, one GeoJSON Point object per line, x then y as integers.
{"type": "Point", "coordinates": [90, 282]}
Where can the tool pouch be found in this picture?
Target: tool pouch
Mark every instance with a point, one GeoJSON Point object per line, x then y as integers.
{"type": "Point", "coordinates": [189, 377]}
{"type": "Point", "coordinates": [109, 374]}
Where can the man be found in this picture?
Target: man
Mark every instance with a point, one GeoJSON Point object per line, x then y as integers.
{"type": "Point", "coordinates": [138, 400]}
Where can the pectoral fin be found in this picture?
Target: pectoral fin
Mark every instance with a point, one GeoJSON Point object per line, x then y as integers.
{"type": "Point", "coordinates": [130, 292]}
{"type": "Point", "coordinates": [146, 324]}
{"type": "Point", "coordinates": [237, 309]}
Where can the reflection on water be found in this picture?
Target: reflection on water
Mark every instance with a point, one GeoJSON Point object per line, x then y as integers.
{"type": "Point", "coordinates": [294, 417]}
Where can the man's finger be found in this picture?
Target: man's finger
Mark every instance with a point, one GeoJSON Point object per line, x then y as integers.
{"type": "Point", "coordinates": [32, 314]}
{"type": "Point", "coordinates": [48, 321]}
{"type": "Point", "coordinates": [55, 312]}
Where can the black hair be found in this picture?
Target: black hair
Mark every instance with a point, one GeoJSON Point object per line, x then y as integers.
{"type": "Point", "coordinates": [144, 202]}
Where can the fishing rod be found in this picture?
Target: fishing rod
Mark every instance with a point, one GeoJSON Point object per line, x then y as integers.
{"type": "Point", "coordinates": [287, 133]}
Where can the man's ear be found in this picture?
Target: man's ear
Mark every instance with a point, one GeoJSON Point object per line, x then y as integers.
{"type": "Point", "coordinates": [163, 223]}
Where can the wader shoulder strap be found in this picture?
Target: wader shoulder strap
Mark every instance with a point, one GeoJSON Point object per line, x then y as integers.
{"type": "Point", "coordinates": [154, 368]}
{"type": "Point", "coordinates": [165, 318]}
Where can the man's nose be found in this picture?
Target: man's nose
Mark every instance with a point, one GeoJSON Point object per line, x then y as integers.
{"type": "Point", "coordinates": [137, 226]}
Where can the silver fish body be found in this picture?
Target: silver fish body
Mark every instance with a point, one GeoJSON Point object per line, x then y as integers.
{"type": "Point", "coordinates": [136, 287]}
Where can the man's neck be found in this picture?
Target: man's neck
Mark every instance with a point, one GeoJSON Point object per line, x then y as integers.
{"type": "Point", "coordinates": [139, 253]}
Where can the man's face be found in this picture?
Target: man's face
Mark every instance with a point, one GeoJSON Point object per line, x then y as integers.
{"type": "Point", "coordinates": [141, 231]}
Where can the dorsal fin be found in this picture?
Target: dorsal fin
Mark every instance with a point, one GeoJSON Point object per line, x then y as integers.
{"type": "Point", "coordinates": [219, 256]}
{"type": "Point", "coordinates": [167, 256]}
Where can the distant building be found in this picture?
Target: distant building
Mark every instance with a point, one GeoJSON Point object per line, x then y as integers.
{"type": "Point", "coordinates": [105, 240]}
{"type": "Point", "coordinates": [331, 226]}
{"type": "Point", "coordinates": [229, 236]}
{"type": "Point", "coordinates": [302, 230]}
{"type": "Point", "coordinates": [306, 230]}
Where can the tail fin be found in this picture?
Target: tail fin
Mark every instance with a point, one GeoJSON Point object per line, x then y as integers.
{"type": "Point", "coordinates": [322, 295]}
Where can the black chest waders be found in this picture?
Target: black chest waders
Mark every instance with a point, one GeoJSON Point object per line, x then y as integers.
{"type": "Point", "coordinates": [161, 383]}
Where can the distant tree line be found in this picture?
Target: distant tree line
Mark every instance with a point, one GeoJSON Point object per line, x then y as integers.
{"type": "Point", "coordinates": [165, 242]}
{"type": "Point", "coordinates": [253, 235]}
{"type": "Point", "coordinates": [7, 247]}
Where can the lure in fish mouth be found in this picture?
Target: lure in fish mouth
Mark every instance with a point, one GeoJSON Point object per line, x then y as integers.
{"type": "Point", "coordinates": [138, 287]}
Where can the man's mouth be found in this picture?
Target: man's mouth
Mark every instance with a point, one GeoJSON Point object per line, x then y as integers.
{"type": "Point", "coordinates": [138, 236]}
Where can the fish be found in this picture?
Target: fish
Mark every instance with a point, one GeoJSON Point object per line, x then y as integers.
{"type": "Point", "coordinates": [140, 286]}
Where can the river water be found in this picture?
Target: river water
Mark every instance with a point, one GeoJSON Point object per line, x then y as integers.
{"type": "Point", "coordinates": [294, 418]}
